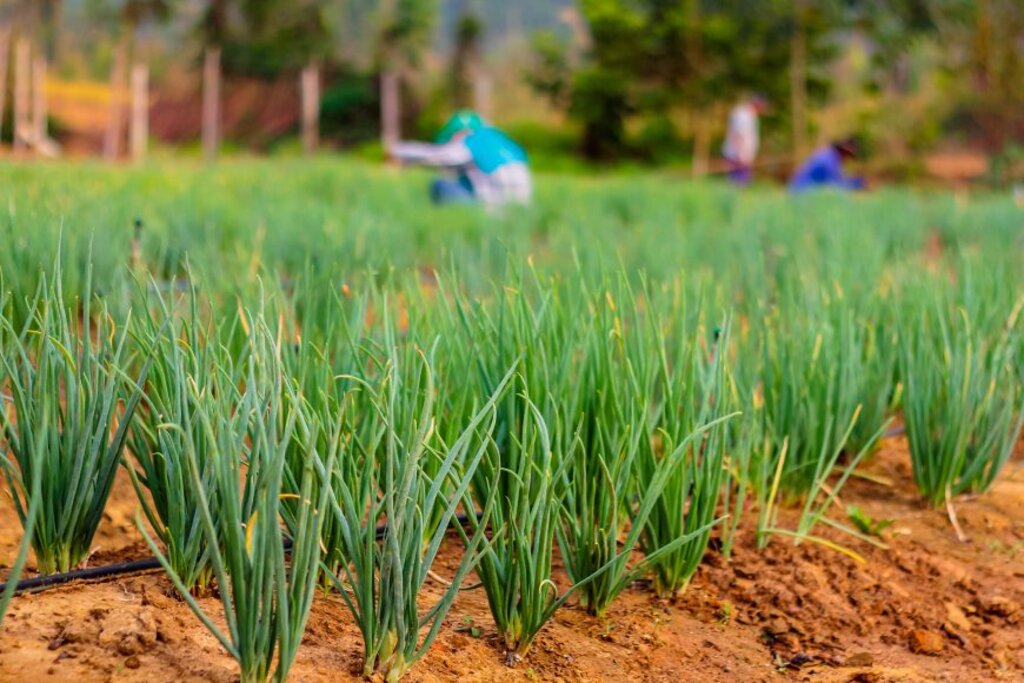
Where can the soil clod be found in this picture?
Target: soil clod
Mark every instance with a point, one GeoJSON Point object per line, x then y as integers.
{"type": "Point", "coordinates": [860, 660]}
{"type": "Point", "coordinates": [925, 642]}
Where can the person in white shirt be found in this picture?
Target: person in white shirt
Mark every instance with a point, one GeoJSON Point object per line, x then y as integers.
{"type": "Point", "coordinates": [743, 139]}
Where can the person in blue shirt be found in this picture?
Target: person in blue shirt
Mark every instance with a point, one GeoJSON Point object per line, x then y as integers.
{"type": "Point", "coordinates": [824, 168]}
{"type": "Point", "coordinates": [484, 165]}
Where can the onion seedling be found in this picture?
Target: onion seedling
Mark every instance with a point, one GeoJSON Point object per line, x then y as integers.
{"type": "Point", "coordinates": [64, 373]}
{"type": "Point", "coordinates": [963, 405]}
{"type": "Point", "coordinates": [266, 598]}
{"type": "Point", "coordinates": [615, 486]}
{"type": "Point", "coordinates": [390, 434]}
{"type": "Point", "coordinates": [520, 471]}
{"type": "Point", "coordinates": [685, 457]}
{"type": "Point", "coordinates": [811, 377]}
{"type": "Point", "coordinates": [167, 427]}
{"type": "Point", "coordinates": [34, 497]}
{"type": "Point", "coordinates": [528, 487]}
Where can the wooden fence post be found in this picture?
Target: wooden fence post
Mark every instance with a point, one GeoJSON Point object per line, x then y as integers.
{"type": "Point", "coordinates": [211, 103]}
{"type": "Point", "coordinates": [140, 112]}
{"type": "Point", "coordinates": [482, 94]}
{"type": "Point", "coordinates": [115, 121]}
{"type": "Point", "coordinates": [39, 132]}
{"type": "Point", "coordinates": [310, 92]}
{"type": "Point", "coordinates": [22, 90]}
{"type": "Point", "coordinates": [390, 109]}
{"type": "Point", "coordinates": [5, 50]}
{"type": "Point", "coordinates": [702, 134]}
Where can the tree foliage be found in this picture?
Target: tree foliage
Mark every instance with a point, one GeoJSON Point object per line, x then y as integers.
{"type": "Point", "coordinates": [266, 37]}
{"type": "Point", "coordinates": [466, 56]}
{"type": "Point", "coordinates": [655, 56]}
{"type": "Point", "coordinates": [407, 26]}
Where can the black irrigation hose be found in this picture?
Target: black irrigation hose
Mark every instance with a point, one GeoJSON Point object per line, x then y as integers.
{"type": "Point", "coordinates": [41, 583]}
{"type": "Point", "coordinates": [44, 582]}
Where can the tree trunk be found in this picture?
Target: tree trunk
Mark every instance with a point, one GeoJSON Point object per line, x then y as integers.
{"type": "Point", "coordinates": [390, 108]}
{"type": "Point", "coordinates": [798, 88]}
{"type": "Point", "coordinates": [701, 123]}
{"type": "Point", "coordinates": [50, 18]}
{"type": "Point", "coordinates": [482, 93]}
{"type": "Point", "coordinates": [5, 51]}
{"type": "Point", "coordinates": [702, 134]}
{"type": "Point", "coordinates": [211, 103]}
{"type": "Point", "coordinates": [140, 112]}
{"type": "Point", "coordinates": [22, 92]}
{"type": "Point", "coordinates": [115, 121]}
{"type": "Point", "coordinates": [310, 91]}
{"type": "Point", "coordinates": [982, 45]}
{"type": "Point", "coordinates": [39, 132]}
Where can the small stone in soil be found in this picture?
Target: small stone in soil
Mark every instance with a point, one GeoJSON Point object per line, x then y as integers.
{"type": "Point", "coordinates": [956, 617]}
{"type": "Point", "coordinates": [132, 662]}
{"type": "Point", "coordinates": [800, 659]}
{"type": "Point", "coordinates": [926, 642]}
{"type": "Point", "coordinates": [860, 659]}
{"type": "Point", "coordinates": [58, 641]}
{"type": "Point", "coordinates": [864, 677]}
{"type": "Point", "coordinates": [1000, 606]}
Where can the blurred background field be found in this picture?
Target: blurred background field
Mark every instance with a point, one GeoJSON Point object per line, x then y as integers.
{"type": "Point", "coordinates": [934, 88]}
{"type": "Point", "coordinates": [247, 217]}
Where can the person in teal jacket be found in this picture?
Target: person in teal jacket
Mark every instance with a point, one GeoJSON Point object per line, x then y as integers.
{"type": "Point", "coordinates": [484, 164]}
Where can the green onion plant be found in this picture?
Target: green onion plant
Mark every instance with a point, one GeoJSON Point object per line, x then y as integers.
{"type": "Point", "coordinates": [72, 405]}
{"type": "Point", "coordinates": [168, 427]}
{"type": "Point", "coordinates": [266, 597]}
{"type": "Point", "coordinates": [33, 495]}
{"type": "Point", "coordinates": [963, 404]}
{"type": "Point", "coordinates": [685, 450]}
{"type": "Point", "coordinates": [389, 428]}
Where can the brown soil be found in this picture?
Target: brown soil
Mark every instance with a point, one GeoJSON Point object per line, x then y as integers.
{"type": "Point", "coordinates": [957, 166]}
{"type": "Point", "coordinates": [927, 609]}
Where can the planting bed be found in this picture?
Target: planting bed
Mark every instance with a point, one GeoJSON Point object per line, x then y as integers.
{"type": "Point", "coordinates": [928, 609]}
{"type": "Point", "coordinates": [646, 390]}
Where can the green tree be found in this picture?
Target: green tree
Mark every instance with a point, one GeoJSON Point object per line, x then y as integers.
{"type": "Point", "coordinates": [977, 47]}
{"type": "Point", "coordinates": [265, 38]}
{"type": "Point", "coordinates": [466, 57]}
{"type": "Point", "coordinates": [406, 29]}
{"type": "Point", "coordinates": [659, 55]}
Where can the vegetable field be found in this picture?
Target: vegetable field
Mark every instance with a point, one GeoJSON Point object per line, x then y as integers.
{"type": "Point", "coordinates": [644, 429]}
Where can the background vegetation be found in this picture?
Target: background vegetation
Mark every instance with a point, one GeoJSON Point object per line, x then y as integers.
{"type": "Point", "coordinates": [643, 81]}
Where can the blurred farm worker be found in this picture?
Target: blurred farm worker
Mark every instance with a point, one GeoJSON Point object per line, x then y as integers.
{"type": "Point", "coordinates": [824, 168]}
{"type": "Point", "coordinates": [743, 138]}
{"type": "Point", "coordinates": [484, 165]}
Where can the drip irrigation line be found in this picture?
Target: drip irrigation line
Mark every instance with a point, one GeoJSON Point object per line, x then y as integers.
{"type": "Point", "coordinates": [895, 431]}
{"type": "Point", "coordinates": [42, 583]}
{"type": "Point", "coordinates": [39, 583]}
